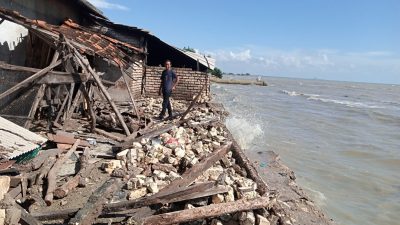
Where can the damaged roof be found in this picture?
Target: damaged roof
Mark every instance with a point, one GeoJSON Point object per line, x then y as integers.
{"type": "Point", "coordinates": [16, 140]}
{"type": "Point", "coordinates": [87, 41]}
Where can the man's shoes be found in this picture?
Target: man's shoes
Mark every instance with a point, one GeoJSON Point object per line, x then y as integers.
{"type": "Point", "coordinates": [160, 117]}
{"type": "Point", "coordinates": [170, 118]}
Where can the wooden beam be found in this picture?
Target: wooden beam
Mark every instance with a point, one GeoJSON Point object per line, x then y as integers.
{"type": "Point", "coordinates": [35, 105]}
{"type": "Point", "coordinates": [52, 176]}
{"type": "Point", "coordinates": [90, 107]}
{"type": "Point", "coordinates": [32, 78]}
{"type": "Point", "coordinates": [130, 93]}
{"type": "Point", "coordinates": [208, 211]}
{"type": "Point", "coordinates": [193, 102]}
{"type": "Point", "coordinates": [94, 206]}
{"type": "Point", "coordinates": [181, 194]}
{"type": "Point", "coordinates": [62, 108]}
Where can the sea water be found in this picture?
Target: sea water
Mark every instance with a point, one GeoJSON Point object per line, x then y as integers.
{"type": "Point", "coordinates": [342, 140]}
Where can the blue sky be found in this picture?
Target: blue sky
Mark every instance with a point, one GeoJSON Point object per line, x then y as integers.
{"type": "Point", "coordinates": [349, 40]}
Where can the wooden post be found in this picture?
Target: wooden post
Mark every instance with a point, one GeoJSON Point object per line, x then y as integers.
{"type": "Point", "coordinates": [130, 94]}
{"type": "Point", "coordinates": [208, 211]}
{"type": "Point", "coordinates": [94, 206]}
{"type": "Point", "coordinates": [90, 107]}
{"type": "Point", "coordinates": [87, 66]}
{"type": "Point", "coordinates": [62, 108]}
{"type": "Point", "coordinates": [35, 104]}
{"type": "Point", "coordinates": [74, 103]}
{"type": "Point", "coordinates": [51, 177]}
{"type": "Point", "coordinates": [32, 78]}
{"type": "Point", "coordinates": [193, 102]}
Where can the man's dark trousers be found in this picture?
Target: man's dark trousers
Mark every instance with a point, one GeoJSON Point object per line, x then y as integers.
{"type": "Point", "coordinates": [166, 104]}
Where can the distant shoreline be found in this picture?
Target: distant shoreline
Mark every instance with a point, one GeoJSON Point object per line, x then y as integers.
{"type": "Point", "coordinates": [241, 82]}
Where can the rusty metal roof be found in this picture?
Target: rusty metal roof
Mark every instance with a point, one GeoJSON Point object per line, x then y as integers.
{"type": "Point", "coordinates": [87, 41]}
{"type": "Point", "coordinates": [16, 140]}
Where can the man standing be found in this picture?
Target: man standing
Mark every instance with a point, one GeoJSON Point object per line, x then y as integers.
{"type": "Point", "coordinates": [168, 82]}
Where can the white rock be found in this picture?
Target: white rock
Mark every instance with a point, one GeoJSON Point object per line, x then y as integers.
{"type": "Point", "coordinates": [152, 187]}
{"type": "Point", "coordinates": [137, 193]}
{"type": "Point", "coordinates": [2, 216]}
{"type": "Point", "coordinates": [111, 165]}
{"type": "Point", "coordinates": [213, 173]}
{"type": "Point", "coordinates": [230, 196]}
{"type": "Point", "coordinates": [193, 161]}
{"type": "Point", "coordinates": [4, 185]}
{"type": "Point", "coordinates": [219, 138]}
{"type": "Point", "coordinates": [213, 132]}
{"type": "Point", "coordinates": [262, 220]}
{"type": "Point", "coordinates": [121, 155]}
{"type": "Point", "coordinates": [216, 222]}
{"type": "Point", "coordinates": [218, 198]}
{"type": "Point", "coordinates": [189, 206]}
{"type": "Point", "coordinates": [179, 152]}
{"type": "Point", "coordinates": [136, 145]}
{"type": "Point", "coordinates": [173, 176]}
{"type": "Point", "coordinates": [144, 141]}
{"type": "Point", "coordinates": [216, 145]}
{"type": "Point", "coordinates": [160, 174]}
{"type": "Point", "coordinates": [180, 132]}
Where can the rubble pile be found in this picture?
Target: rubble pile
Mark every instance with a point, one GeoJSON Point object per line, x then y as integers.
{"type": "Point", "coordinates": [191, 166]}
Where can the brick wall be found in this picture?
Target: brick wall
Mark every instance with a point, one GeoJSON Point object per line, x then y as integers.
{"type": "Point", "coordinates": [190, 82]}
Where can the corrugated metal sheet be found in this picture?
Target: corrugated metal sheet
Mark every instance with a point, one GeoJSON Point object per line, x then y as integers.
{"type": "Point", "coordinates": [204, 60]}
{"type": "Point", "coordinates": [16, 140]}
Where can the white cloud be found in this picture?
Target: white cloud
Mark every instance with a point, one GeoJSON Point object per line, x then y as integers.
{"type": "Point", "coordinates": [321, 63]}
{"type": "Point", "coordinates": [104, 4]}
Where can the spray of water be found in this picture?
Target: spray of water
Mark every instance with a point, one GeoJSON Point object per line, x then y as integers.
{"type": "Point", "coordinates": [244, 131]}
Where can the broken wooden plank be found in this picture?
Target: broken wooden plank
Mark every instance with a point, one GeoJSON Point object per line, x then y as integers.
{"type": "Point", "coordinates": [183, 194]}
{"type": "Point", "coordinates": [75, 103]}
{"type": "Point", "coordinates": [191, 174]}
{"type": "Point", "coordinates": [62, 137]}
{"type": "Point", "coordinates": [108, 135]}
{"type": "Point", "coordinates": [193, 102]}
{"type": "Point", "coordinates": [130, 93]}
{"type": "Point", "coordinates": [180, 193]}
{"type": "Point", "coordinates": [52, 176]}
{"type": "Point", "coordinates": [32, 78]}
{"type": "Point", "coordinates": [89, 107]}
{"type": "Point", "coordinates": [208, 211]}
{"type": "Point", "coordinates": [94, 206]}
{"type": "Point", "coordinates": [62, 108]}
{"type": "Point", "coordinates": [35, 104]}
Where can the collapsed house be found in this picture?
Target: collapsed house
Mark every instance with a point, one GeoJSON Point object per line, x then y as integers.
{"type": "Point", "coordinates": [120, 54]}
{"type": "Point", "coordinates": [88, 85]}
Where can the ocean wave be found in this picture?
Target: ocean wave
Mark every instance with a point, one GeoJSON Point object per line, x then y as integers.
{"type": "Point", "coordinates": [244, 131]}
{"type": "Point", "coordinates": [293, 93]}
{"type": "Point", "coordinates": [346, 103]}
{"type": "Point", "coordinates": [316, 97]}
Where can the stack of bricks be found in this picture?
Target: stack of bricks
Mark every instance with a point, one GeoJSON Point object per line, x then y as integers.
{"type": "Point", "coordinates": [190, 82]}
{"type": "Point", "coordinates": [136, 72]}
